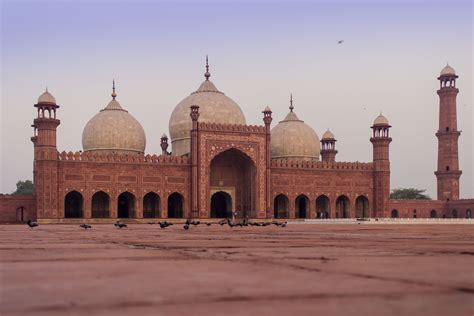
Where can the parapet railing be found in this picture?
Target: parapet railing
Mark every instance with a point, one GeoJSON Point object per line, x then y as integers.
{"type": "Point", "coordinates": [116, 157]}
{"type": "Point", "coordinates": [231, 127]}
{"type": "Point", "coordinates": [289, 163]}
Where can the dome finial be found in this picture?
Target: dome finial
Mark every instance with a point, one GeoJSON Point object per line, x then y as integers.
{"type": "Point", "coordinates": [47, 89]}
{"type": "Point", "coordinates": [113, 89]}
{"type": "Point", "coordinates": [207, 74]}
{"type": "Point", "coordinates": [291, 102]}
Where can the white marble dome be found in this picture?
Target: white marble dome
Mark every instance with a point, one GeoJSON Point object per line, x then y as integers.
{"type": "Point", "coordinates": [447, 70]}
{"type": "Point", "coordinates": [46, 98]}
{"type": "Point", "coordinates": [381, 120]}
{"type": "Point", "coordinates": [328, 135]}
{"type": "Point", "coordinates": [214, 106]}
{"type": "Point", "coordinates": [293, 139]}
{"type": "Point", "coordinates": [113, 129]}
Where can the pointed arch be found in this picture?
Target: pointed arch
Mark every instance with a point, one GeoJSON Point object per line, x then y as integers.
{"type": "Point", "coordinates": [362, 207]}
{"type": "Point", "coordinates": [342, 207]}
{"type": "Point", "coordinates": [323, 207]}
{"type": "Point", "coordinates": [151, 205]}
{"type": "Point", "coordinates": [73, 205]}
{"type": "Point", "coordinates": [221, 205]}
{"type": "Point", "coordinates": [280, 206]}
{"type": "Point", "coordinates": [100, 205]}
{"type": "Point", "coordinates": [126, 205]}
{"type": "Point", "coordinates": [175, 205]}
{"type": "Point", "coordinates": [302, 206]}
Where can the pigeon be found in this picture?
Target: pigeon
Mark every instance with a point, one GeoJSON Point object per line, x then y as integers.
{"type": "Point", "coordinates": [284, 224]}
{"type": "Point", "coordinates": [32, 224]}
{"type": "Point", "coordinates": [85, 226]}
{"type": "Point", "coordinates": [222, 222]}
{"type": "Point", "coordinates": [340, 42]}
{"type": "Point", "coordinates": [186, 226]}
{"type": "Point", "coordinates": [188, 221]}
{"type": "Point", "coordinates": [120, 224]}
{"type": "Point", "coordinates": [208, 224]}
{"type": "Point", "coordinates": [164, 224]}
{"type": "Point", "coordinates": [195, 223]}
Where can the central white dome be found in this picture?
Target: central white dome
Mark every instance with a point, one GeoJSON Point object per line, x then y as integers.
{"type": "Point", "coordinates": [214, 106]}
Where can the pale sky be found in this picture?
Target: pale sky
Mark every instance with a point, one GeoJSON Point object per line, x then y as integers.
{"type": "Point", "coordinates": [259, 53]}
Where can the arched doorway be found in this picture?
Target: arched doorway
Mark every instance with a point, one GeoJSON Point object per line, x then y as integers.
{"type": "Point", "coordinates": [20, 214]}
{"type": "Point", "coordinates": [362, 207]}
{"type": "Point", "coordinates": [322, 207]}
{"type": "Point", "coordinates": [73, 205]}
{"type": "Point", "coordinates": [280, 206]}
{"type": "Point", "coordinates": [234, 171]}
{"type": "Point", "coordinates": [221, 205]}
{"type": "Point", "coordinates": [468, 214]}
{"type": "Point", "coordinates": [151, 205]}
{"type": "Point", "coordinates": [100, 205]}
{"type": "Point", "coordinates": [433, 214]}
{"type": "Point", "coordinates": [301, 206]}
{"type": "Point", "coordinates": [126, 205]}
{"type": "Point", "coordinates": [342, 207]}
{"type": "Point", "coordinates": [175, 205]}
{"type": "Point", "coordinates": [394, 214]}
{"type": "Point", "coordinates": [455, 214]}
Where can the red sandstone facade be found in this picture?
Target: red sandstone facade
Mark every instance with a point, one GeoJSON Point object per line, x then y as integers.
{"type": "Point", "coordinates": [230, 172]}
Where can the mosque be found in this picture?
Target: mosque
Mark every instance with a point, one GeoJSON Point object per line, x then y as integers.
{"type": "Point", "coordinates": [219, 167]}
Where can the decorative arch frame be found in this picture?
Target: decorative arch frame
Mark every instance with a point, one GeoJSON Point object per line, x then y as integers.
{"type": "Point", "coordinates": [213, 142]}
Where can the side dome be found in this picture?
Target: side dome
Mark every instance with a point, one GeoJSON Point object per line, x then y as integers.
{"type": "Point", "coordinates": [448, 70]}
{"type": "Point", "coordinates": [293, 139]}
{"type": "Point", "coordinates": [113, 129]}
{"type": "Point", "coordinates": [46, 98]}
{"type": "Point", "coordinates": [214, 106]}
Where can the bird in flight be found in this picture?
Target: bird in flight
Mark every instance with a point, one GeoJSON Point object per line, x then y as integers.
{"type": "Point", "coordinates": [340, 42]}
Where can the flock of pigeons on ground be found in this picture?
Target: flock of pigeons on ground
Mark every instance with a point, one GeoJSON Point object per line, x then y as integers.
{"type": "Point", "coordinates": [187, 224]}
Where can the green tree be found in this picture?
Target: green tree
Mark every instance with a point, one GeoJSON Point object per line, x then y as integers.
{"type": "Point", "coordinates": [409, 194]}
{"type": "Point", "coordinates": [24, 187]}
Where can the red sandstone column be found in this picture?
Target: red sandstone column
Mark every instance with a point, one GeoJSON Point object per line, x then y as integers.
{"type": "Point", "coordinates": [113, 205]}
{"type": "Point", "coordinates": [267, 119]}
{"type": "Point", "coordinates": [87, 205]}
{"type": "Point", "coordinates": [312, 208]}
{"type": "Point", "coordinates": [139, 206]}
{"type": "Point", "coordinates": [291, 207]}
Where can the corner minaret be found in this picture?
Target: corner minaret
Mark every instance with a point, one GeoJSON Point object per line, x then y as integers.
{"type": "Point", "coordinates": [45, 166]}
{"type": "Point", "coordinates": [381, 144]}
{"type": "Point", "coordinates": [328, 147]}
{"type": "Point", "coordinates": [448, 172]}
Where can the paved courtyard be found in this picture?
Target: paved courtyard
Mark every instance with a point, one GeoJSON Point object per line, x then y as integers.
{"type": "Point", "coordinates": [302, 269]}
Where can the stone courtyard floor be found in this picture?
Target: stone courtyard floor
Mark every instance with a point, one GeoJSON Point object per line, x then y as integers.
{"type": "Point", "coordinates": [302, 269]}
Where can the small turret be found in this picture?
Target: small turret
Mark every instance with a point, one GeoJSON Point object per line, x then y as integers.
{"type": "Point", "coordinates": [328, 147]}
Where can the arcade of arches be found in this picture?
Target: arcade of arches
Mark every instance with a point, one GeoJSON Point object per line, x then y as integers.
{"type": "Point", "coordinates": [126, 205]}
{"type": "Point", "coordinates": [322, 204]}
